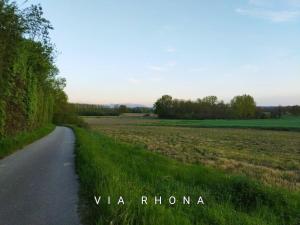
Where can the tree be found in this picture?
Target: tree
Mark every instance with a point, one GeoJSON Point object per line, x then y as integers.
{"type": "Point", "coordinates": [210, 100]}
{"type": "Point", "coordinates": [163, 106]}
{"type": "Point", "coordinates": [30, 92]}
{"type": "Point", "coordinates": [243, 106]}
{"type": "Point", "coordinates": [206, 108]}
{"type": "Point", "coordinates": [122, 109]}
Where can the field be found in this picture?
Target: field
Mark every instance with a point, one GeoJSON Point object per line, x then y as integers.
{"type": "Point", "coordinates": [245, 176]}
{"type": "Point", "coordinates": [272, 157]}
{"type": "Point", "coordinates": [108, 167]}
{"type": "Point", "coordinates": [285, 123]}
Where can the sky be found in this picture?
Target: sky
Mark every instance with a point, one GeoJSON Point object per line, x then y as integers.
{"type": "Point", "coordinates": [135, 51]}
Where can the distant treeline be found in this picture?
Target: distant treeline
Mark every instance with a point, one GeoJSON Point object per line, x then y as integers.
{"type": "Point", "coordinates": [101, 110]}
{"type": "Point", "coordinates": [290, 110]}
{"type": "Point", "coordinates": [31, 94]}
{"type": "Point", "coordinates": [240, 107]}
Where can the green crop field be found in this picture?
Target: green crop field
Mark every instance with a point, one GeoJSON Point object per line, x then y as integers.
{"type": "Point", "coordinates": [245, 176]}
{"type": "Point", "coordinates": [287, 123]}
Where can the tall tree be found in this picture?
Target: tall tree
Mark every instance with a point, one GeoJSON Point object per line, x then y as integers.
{"type": "Point", "coordinates": [243, 106]}
{"type": "Point", "coordinates": [163, 106]}
{"type": "Point", "coordinates": [29, 86]}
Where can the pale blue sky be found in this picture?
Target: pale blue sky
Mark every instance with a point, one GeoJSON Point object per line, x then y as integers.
{"type": "Point", "coordinates": [134, 51]}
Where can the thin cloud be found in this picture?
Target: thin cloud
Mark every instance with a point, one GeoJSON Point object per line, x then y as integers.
{"type": "Point", "coordinates": [168, 28]}
{"type": "Point", "coordinates": [200, 69]}
{"type": "Point", "coordinates": [171, 50]}
{"type": "Point", "coordinates": [157, 68]}
{"type": "Point", "coordinates": [171, 64]}
{"type": "Point", "coordinates": [294, 2]}
{"type": "Point", "coordinates": [164, 67]}
{"type": "Point", "coordinates": [155, 79]}
{"type": "Point", "coordinates": [271, 15]}
{"type": "Point", "coordinates": [276, 11]}
{"type": "Point", "coordinates": [260, 2]}
{"type": "Point", "coordinates": [133, 80]}
{"type": "Point", "coordinates": [250, 68]}
{"type": "Point", "coordinates": [272, 3]}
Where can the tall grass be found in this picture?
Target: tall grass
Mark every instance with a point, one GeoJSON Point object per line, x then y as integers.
{"type": "Point", "coordinates": [109, 168]}
{"type": "Point", "coordinates": [10, 144]}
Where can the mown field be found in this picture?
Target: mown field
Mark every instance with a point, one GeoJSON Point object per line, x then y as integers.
{"type": "Point", "coordinates": [110, 167]}
{"type": "Point", "coordinates": [271, 157]}
{"type": "Point", "coordinates": [246, 176]}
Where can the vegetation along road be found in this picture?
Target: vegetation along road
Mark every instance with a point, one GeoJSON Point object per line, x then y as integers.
{"type": "Point", "coordinates": [38, 184]}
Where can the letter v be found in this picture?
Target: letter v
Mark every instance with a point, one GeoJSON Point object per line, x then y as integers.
{"type": "Point", "coordinates": [97, 200]}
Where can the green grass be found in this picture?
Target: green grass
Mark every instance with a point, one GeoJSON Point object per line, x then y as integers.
{"type": "Point", "coordinates": [107, 167]}
{"type": "Point", "coordinates": [287, 123]}
{"type": "Point", "coordinates": [10, 144]}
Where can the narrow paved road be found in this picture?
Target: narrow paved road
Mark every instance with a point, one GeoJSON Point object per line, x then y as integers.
{"type": "Point", "coordinates": [38, 185]}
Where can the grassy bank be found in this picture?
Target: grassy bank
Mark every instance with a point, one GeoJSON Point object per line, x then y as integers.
{"type": "Point", "coordinates": [10, 144]}
{"type": "Point", "coordinates": [107, 167]}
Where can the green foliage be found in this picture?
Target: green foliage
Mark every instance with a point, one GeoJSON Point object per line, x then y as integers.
{"type": "Point", "coordinates": [292, 110]}
{"type": "Point", "coordinates": [241, 107]}
{"type": "Point", "coordinates": [66, 115]}
{"type": "Point", "coordinates": [30, 92]}
{"type": "Point", "coordinates": [123, 109]}
{"type": "Point", "coordinates": [206, 108]}
{"type": "Point", "coordinates": [95, 110]}
{"type": "Point", "coordinates": [164, 106]}
{"type": "Point", "coordinates": [101, 110]}
{"type": "Point", "coordinates": [244, 106]}
{"type": "Point", "coordinates": [109, 168]}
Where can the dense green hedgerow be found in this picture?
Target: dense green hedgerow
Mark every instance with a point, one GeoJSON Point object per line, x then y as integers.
{"type": "Point", "coordinates": [30, 91]}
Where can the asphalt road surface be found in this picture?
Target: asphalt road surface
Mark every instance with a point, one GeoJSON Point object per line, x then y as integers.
{"type": "Point", "coordinates": [38, 184]}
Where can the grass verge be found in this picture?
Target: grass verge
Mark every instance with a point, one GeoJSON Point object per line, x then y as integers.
{"type": "Point", "coordinates": [107, 167]}
{"type": "Point", "coordinates": [10, 144]}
